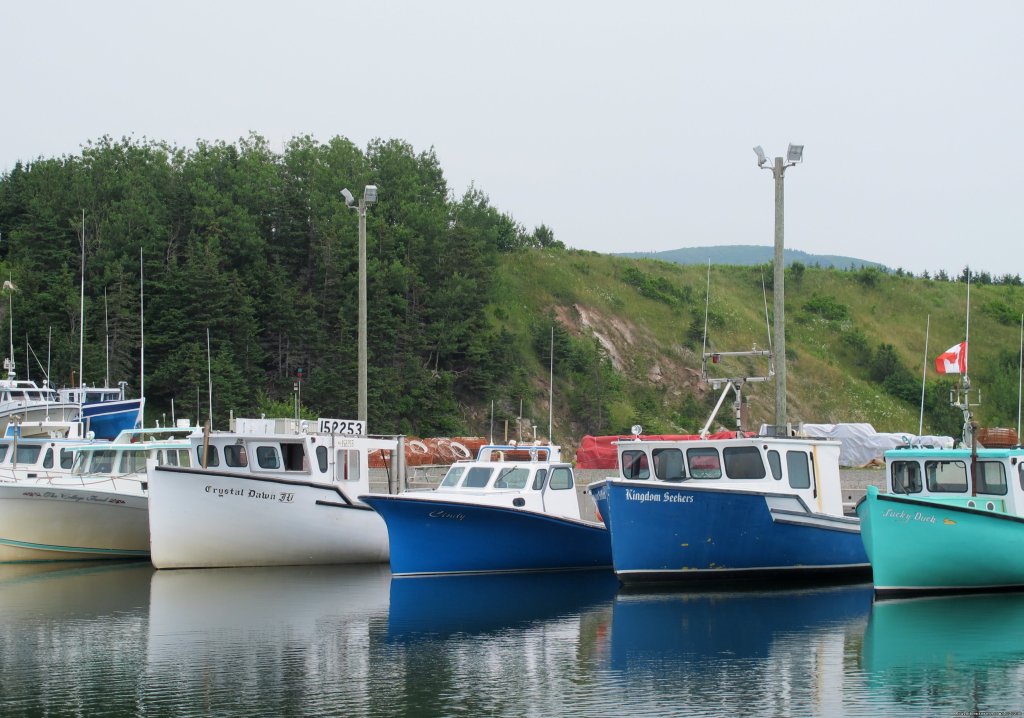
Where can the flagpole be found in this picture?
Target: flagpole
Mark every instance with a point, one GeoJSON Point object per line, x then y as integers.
{"type": "Point", "coordinates": [924, 374]}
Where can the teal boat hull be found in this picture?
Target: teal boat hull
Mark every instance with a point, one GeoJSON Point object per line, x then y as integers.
{"type": "Point", "coordinates": [920, 546]}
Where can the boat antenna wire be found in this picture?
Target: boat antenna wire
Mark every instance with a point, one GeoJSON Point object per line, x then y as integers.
{"type": "Point", "coordinates": [768, 324]}
{"type": "Point", "coordinates": [81, 308]}
{"type": "Point", "coordinates": [707, 301]}
{"type": "Point", "coordinates": [924, 373]}
{"type": "Point", "coordinates": [1020, 373]}
{"type": "Point", "coordinates": [551, 382]}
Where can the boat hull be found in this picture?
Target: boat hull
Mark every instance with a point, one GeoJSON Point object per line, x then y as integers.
{"type": "Point", "coordinates": [206, 519]}
{"type": "Point", "coordinates": [56, 523]}
{"type": "Point", "coordinates": [108, 419]}
{"type": "Point", "coordinates": [918, 546]}
{"type": "Point", "coordinates": [431, 536]}
{"type": "Point", "coordinates": [696, 534]}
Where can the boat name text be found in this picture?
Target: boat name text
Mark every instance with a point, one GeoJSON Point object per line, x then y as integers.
{"type": "Point", "coordinates": [446, 515]}
{"type": "Point", "coordinates": [643, 496]}
{"type": "Point", "coordinates": [906, 516]}
{"type": "Point", "coordinates": [90, 498]}
{"type": "Point", "coordinates": [283, 497]}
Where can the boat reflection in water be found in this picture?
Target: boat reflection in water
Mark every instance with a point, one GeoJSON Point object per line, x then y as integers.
{"type": "Point", "coordinates": [69, 636]}
{"type": "Point", "coordinates": [965, 653]}
{"type": "Point", "coordinates": [770, 652]}
{"type": "Point", "coordinates": [440, 606]}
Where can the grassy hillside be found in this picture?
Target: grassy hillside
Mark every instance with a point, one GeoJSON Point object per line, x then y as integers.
{"type": "Point", "coordinates": [647, 316]}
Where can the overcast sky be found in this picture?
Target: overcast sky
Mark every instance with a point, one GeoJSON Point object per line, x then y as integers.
{"type": "Point", "coordinates": [623, 126]}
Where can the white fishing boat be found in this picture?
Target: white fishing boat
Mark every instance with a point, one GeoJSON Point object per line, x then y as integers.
{"type": "Point", "coordinates": [270, 492]}
{"type": "Point", "coordinates": [98, 510]}
{"type": "Point", "coordinates": [24, 401]}
{"type": "Point", "coordinates": [40, 450]}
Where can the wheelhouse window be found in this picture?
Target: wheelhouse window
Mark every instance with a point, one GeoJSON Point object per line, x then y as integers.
{"type": "Point", "coordinates": [635, 465]}
{"type": "Point", "coordinates": [48, 458]}
{"type": "Point", "coordinates": [67, 458]}
{"type": "Point", "coordinates": [3, 451]}
{"type": "Point", "coordinates": [132, 462]}
{"type": "Point", "coordinates": [946, 476]}
{"type": "Point", "coordinates": [477, 477]}
{"type": "Point", "coordinates": [744, 462]}
{"type": "Point", "coordinates": [775, 463]}
{"type": "Point", "coordinates": [799, 470]}
{"type": "Point", "coordinates": [512, 478]}
{"type": "Point", "coordinates": [27, 454]}
{"type": "Point", "coordinates": [234, 456]}
{"type": "Point", "coordinates": [561, 478]}
{"type": "Point", "coordinates": [347, 465]}
{"type": "Point", "coordinates": [321, 458]}
{"type": "Point", "coordinates": [991, 478]}
{"type": "Point", "coordinates": [704, 463]}
{"type": "Point", "coordinates": [294, 457]}
{"type": "Point", "coordinates": [452, 477]}
{"type": "Point", "coordinates": [668, 464]}
{"type": "Point", "coordinates": [267, 457]}
{"type": "Point", "coordinates": [539, 479]}
{"type": "Point", "coordinates": [211, 456]}
{"type": "Point", "coordinates": [906, 477]}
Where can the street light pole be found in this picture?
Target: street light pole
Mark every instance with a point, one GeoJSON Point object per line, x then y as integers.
{"type": "Point", "coordinates": [369, 197]}
{"type": "Point", "coordinates": [793, 155]}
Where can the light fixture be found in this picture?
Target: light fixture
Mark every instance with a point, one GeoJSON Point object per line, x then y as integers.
{"type": "Point", "coordinates": [795, 153]}
{"type": "Point", "coordinates": [761, 159]}
{"type": "Point", "coordinates": [370, 191]}
{"type": "Point", "coordinates": [349, 199]}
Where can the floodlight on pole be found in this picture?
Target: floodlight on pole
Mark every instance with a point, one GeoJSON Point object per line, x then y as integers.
{"type": "Point", "coordinates": [369, 197]}
{"type": "Point", "coordinates": [794, 154]}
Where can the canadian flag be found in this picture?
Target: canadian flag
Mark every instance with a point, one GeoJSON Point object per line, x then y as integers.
{"type": "Point", "coordinates": [953, 360]}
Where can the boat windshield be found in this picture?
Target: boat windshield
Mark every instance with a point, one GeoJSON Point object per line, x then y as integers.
{"type": "Point", "coordinates": [453, 476]}
{"type": "Point", "coordinates": [512, 478]}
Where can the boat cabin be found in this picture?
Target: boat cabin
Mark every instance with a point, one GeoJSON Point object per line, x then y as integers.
{"type": "Point", "coordinates": [991, 479]}
{"type": "Point", "coordinates": [285, 448]}
{"type": "Point", "coordinates": [520, 476]}
{"type": "Point", "coordinates": [30, 459]}
{"type": "Point", "coordinates": [806, 468]}
{"type": "Point", "coordinates": [25, 392]}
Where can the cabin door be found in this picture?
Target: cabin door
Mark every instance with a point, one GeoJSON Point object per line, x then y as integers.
{"type": "Point", "coordinates": [560, 493]}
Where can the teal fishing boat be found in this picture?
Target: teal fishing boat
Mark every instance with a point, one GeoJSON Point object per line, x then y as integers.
{"type": "Point", "coordinates": [951, 520]}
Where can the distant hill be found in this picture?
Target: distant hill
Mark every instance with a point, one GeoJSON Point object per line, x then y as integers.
{"type": "Point", "coordinates": [748, 254]}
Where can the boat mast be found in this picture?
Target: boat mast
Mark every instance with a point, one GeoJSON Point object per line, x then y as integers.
{"type": "Point", "coordinates": [81, 309]}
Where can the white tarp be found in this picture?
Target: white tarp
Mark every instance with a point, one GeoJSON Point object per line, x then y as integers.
{"type": "Point", "coordinates": [862, 445]}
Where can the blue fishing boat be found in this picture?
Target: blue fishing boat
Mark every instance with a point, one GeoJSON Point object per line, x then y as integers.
{"type": "Point", "coordinates": [512, 508]}
{"type": "Point", "coordinates": [105, 411]}
{"type": "Point", "coordinates": [733, 508]}
{"type": "Point", "coordinates": [747, 508]}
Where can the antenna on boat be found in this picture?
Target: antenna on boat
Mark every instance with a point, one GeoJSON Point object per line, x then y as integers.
{"type": "Point", "coordinates": [9, 361]}
{"type": "Point", "coordinates": [142, 331]}
{"type": "Point", "coordinates": [707, 301]}
{"type": "Point", "coordinates": [1020, 372]}
{"type": "Point", "coordinates": [106, 338]}
{"type": "Point", "coordinates": [963, 403]}
{"type": "Point", "coordinates": [733, 383]}
{"type": "Point", "coordinates": [81, 307]}
{"type": "Point", "coordinates": [492, 422]}
{"type": "Point", "coordinates": [768, 326]}
{"type": "Point", "coordinates": [209, 374]}
{"type": "Point", "coordinates": [924, 373]}
{"type": "Point", "coordinates": [551, 382]}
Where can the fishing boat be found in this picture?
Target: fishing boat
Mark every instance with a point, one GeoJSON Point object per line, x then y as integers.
{"type": "Point", "coordinates": [24, 401]}
{"type": "Point", "coordinates": [97, 511]}
{"type": "Point", "coordinates": [269, 492]}
{"type": "Point", "coordinates": [951, 520]}
{"type": "Point", "coordinates": [511, 508]}
{"type": "Point", "coordinates": [105, 411]}
{"type": "Point", "coordinates": [748, 507]}
{"type": "Point", "coordinates": [36, 451]}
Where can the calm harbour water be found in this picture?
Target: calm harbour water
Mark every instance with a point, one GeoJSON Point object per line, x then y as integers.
{"type": "Point", "coordinates": [125, 640]}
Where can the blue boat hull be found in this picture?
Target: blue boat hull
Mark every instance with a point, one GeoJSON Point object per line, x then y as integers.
{"type": "Point", "coordinates": [689, 533]}
{"type": "Point", "coordinates": [109, 418]}
{"type": "Point", "coordinates": [441, 537]}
